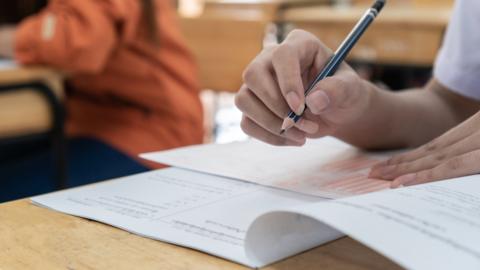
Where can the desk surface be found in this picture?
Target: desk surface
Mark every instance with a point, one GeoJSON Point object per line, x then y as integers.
{"type": "Point", "coordinates": [38, 238]}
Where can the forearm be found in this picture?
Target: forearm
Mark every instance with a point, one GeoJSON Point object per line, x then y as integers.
{"type": "Point", "coordinates": [408, 118]}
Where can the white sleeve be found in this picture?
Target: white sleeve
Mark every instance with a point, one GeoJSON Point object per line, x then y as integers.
{"type": "Point", "coordinates": [458, 63]}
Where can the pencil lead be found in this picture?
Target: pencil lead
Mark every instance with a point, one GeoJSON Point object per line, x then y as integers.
{"type": "Point", "coordinates": [287, 123]}
{"type": "Point", "coordinates": [283, 131]}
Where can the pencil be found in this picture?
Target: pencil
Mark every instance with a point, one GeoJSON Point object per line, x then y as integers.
{"type": "Point", "coordinates": [339, 56]}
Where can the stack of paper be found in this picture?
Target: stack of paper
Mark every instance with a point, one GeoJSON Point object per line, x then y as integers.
{"type": "Point", "coordinates": [433, 226]}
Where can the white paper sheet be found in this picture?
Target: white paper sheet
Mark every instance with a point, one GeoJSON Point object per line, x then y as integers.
{"type": "Point", "coordinates": [195, 210]}
{"type": "Point", "coordinates": [433, 226]}
{"type": "Point", "coordinates": [327, 167]}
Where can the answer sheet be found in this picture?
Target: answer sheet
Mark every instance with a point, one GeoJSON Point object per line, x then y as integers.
{"type": "Point", "coordinates": [431, 226]}
{"type": "Point", "coordinates": [326, 167]}
{"type": "Point", "coordinates": [201, 211]}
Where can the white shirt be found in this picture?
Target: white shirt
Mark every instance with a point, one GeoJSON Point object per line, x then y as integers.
{"type": "Point", "coordinates": [458, 63]}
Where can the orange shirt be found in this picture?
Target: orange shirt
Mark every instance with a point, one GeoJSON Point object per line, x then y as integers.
{"type": "Point", "coordinates": [123, 90]}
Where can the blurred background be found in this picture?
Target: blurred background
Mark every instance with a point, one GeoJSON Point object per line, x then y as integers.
{"type": "Point", "coordinates": [397, 52]}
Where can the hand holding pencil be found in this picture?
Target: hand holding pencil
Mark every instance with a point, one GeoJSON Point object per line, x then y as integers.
{"type": "Point", "coordinates": [277, 81]}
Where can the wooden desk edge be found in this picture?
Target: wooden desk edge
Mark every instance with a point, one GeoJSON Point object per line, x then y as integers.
{"type": "Point", "coordinates": [40, 238]}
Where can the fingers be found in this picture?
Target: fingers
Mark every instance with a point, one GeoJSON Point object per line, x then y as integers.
{"type": "Point", "coordinates": [274, 85]}
{"type": "Point", "coordinates": [318, 101]}
{"type": "Point", "coordinates": [259, 78]}
{"type": "Point", "coordinates": [393, 170]}
{"type": "Point", "coordinates": [339, 93]}
{"type": "Point", "coordinates": [261, 123]}
{"type": "Point", "coordinates": [287, 69]}
{"type": "Point", "coordinates": [466, 164]}
{"type": "Point", "coordinates": [252, 107]}
{"type": "Point", "coordinates": [253, 129]}
{"type": "Point", "coordinates": [451, 137]}
{"type": "Point", "coordinates": [290, 60]}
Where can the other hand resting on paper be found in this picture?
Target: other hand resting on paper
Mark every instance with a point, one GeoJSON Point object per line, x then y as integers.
{"type": "Point", "coordinates": [344, 105]}
{"type": "Point", "coordinates": [455, 153]}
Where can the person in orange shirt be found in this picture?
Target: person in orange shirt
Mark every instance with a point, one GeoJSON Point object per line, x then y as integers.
{"type": "Point", "coordinates": [131, 86]}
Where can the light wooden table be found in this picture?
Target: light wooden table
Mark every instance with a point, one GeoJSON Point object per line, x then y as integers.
{"type": "Point", "coordinates": [401, 35]}
{"type": "Point", "coordinates": [36, 238]}
{"type": "Point", "coordinates": [26, 111]}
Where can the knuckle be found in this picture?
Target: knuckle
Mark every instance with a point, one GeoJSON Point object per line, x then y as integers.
{"type": "Point", "coordinates": [296, 33]}
{"type": "Point", "coordinates": [311, 43]}
{"type": "Point", "coordinates": [454, 164]}
{"type": "Point", "coordinates": [431, 146]}
{"type": "Point", "coordinates": [281, 52]}
{"type": "Point", "coordinates": [244, 125]}
{"type": "Point", "coordinates": [403, 167]}
{"type": "Point", "coordinates": [250, 73]}
{"type": "Point", "coordinates": [395, 160]}
{"type": "Point", "coordinates": [426, 175]}
{"type": "Point", "coordinates": [439, 157]}
{"type": "Point", "coordinates": [240, 100]}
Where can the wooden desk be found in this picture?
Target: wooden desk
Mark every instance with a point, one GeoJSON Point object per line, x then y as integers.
{"type": "Point", "coordinates": [36, 238]}
{"type": "Point", "coordinates": [400, 35]}
{"type": "Point", "coordinates": [26, 112]}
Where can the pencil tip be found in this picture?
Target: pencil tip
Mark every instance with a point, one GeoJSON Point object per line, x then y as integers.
{"type": "Point", "coordinates": [287, 123]}
{"type": "Point", "coordinates": [283, 131]}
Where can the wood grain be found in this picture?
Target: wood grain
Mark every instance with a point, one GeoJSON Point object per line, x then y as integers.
{"type": "Point", "coordinates": [36, 238]}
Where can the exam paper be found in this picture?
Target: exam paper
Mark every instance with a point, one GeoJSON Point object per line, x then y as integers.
{"type": "Point", "coordinates": [200, 211]}
{"type": "Point", "coordinates": [326, 167]}
{"type": "Point", "coordinates": [432, 226]}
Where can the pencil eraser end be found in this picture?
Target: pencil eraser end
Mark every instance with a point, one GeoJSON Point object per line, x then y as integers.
{"type": "Point", "coordinates": [379, 4]}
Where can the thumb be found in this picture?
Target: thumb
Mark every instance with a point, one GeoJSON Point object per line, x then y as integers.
{"type": "Point", "coordinates": [328, 94]}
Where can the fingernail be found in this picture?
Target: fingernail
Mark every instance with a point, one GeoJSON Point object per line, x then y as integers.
{"type": "Point", "coordinates": [395, 186]}
{"type": "Point", "coordinates": [404, 180]}
{"type": "Point", "coordinates": [307, 126]}
{"type": "Point", "coordinates": [318, 101]}
{"type": "Point", "coordinates": [294, 102]}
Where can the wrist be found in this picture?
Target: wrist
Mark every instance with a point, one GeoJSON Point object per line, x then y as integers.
{"type": "Point", "coordinates": [359, 130]}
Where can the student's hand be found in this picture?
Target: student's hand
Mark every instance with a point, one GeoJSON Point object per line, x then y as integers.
{"type": "Point", "coordinates": [456, 153]}
{"type": "Point", "coordinates": [275, 82]}
{"type": "Point", "coordinates": [6, 41]}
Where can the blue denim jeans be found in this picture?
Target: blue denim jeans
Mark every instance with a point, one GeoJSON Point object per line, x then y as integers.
{"type": "Point", "coordinates": [32, 172]}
